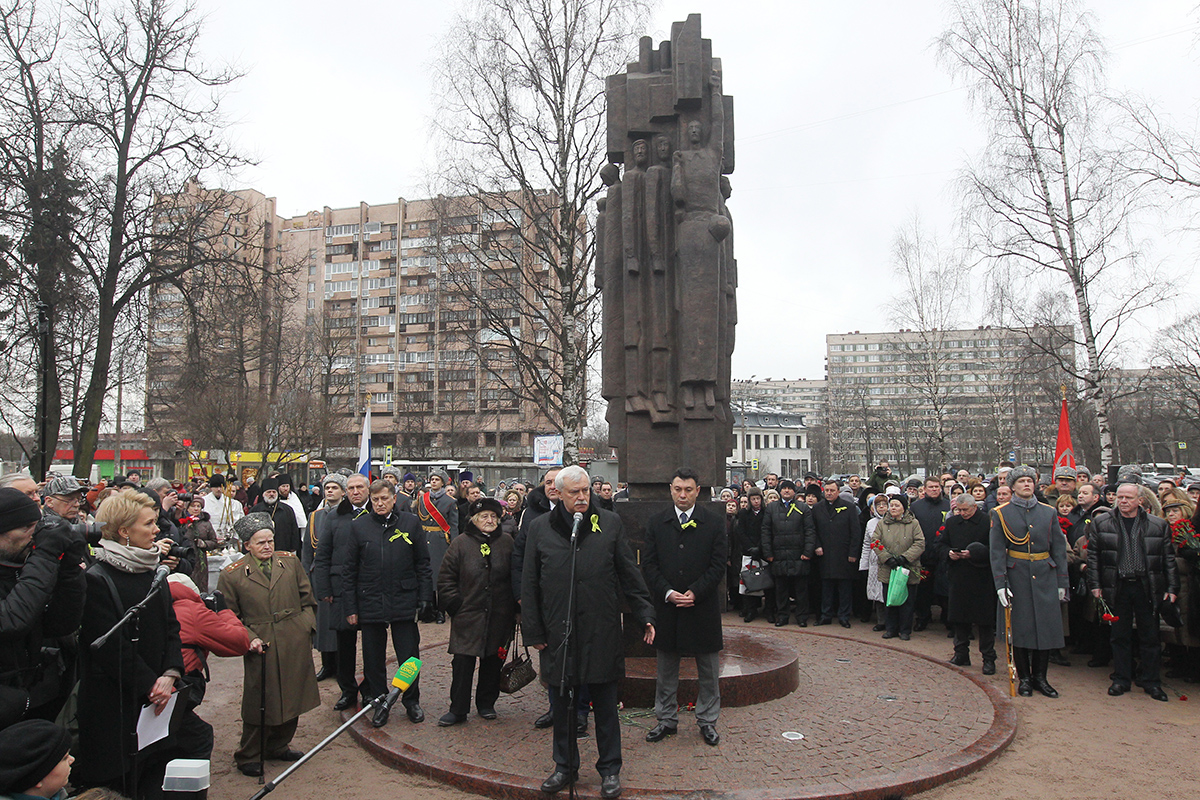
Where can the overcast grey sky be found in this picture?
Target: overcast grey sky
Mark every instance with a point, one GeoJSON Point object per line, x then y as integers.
{"type": "Point", "coordinates": [846, 128]}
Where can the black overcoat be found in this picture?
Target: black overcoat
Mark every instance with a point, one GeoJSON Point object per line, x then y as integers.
{"type": "Point", "coordinates": [333, 548]}
{"type": "Point", "coordinates": [686, 560]}
{"type": "Point", "coordinates": [840, 538]}
{"type": "Point", "coordinates": [972, 592]}
{"type": "Point", "coordinates": [115, 681]}
{"type": "Point", "coordinates": [605, 570]}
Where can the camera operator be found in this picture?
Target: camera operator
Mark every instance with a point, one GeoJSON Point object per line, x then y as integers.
{"type": "Point", "coordinates": [41, 598]}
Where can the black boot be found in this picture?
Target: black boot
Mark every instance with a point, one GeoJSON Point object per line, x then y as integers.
{"type": "Point", "coordinates": [1021, 661]}
{"type": "Point", "coordinates": [1041, 660]}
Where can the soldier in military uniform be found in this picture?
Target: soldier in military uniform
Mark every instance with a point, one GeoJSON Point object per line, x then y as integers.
{"type": "Point", "coordinates": [270, 593]}
{"type": "Point", "coordinates": [1029, 565]}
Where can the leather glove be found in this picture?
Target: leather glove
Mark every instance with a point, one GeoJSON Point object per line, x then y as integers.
{"type": "Point", "coordinates": [425, 611]}
{"type": "Point", "coordinates": [902, 561]}
{"type": "Point", "coordinates": [1005, 596]}
{"type": "Point", "coordinates": [755, 553]}
{"type": "Point", "coordinates": [1062, 595]}
{"type": "Point", "coordinates": [892, 562]}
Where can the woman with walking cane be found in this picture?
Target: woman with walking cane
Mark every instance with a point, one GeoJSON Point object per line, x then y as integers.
{"type": "Point", "coordinates": [270, 593]}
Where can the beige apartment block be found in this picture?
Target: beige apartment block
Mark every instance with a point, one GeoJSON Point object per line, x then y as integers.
{"type": "Point", "coordinates": [933, 399]}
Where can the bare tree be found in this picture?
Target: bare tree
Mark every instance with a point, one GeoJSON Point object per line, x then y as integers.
{"type": "Point", "coordinates": [931, 303]}
{"type": "Point", "coordinates": [522, 129]}
{"type": "Point", "coordinates": [1049, 203]}
{"type": "Point", "coordinates": [145, 115]}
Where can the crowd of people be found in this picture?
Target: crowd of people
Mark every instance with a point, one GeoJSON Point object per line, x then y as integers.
{"type": "Point", "coordinates": [108, 612]}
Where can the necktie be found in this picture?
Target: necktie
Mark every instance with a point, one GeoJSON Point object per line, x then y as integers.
{"type": "Point", "coordinates": [682, 518]}
{"type": "Point", "coordinates": [266, 568]}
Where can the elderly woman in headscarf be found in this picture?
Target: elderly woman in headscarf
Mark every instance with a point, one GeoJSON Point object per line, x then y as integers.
{"type": "Point", "coordinates": [475, 588]}
{"type": "Point", "coordinates": [270, 593]}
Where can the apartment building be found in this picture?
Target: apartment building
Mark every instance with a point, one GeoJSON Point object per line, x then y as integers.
{"type": "Point", "coordinates": [968, 397]}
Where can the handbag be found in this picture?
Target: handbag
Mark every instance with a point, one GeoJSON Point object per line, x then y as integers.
{"type": "Point", "coordinates": [756, 578]}
{"type": "Point", "coordinates": [518, 672]}
{"type": "Point", "coordinates": [897, 592]}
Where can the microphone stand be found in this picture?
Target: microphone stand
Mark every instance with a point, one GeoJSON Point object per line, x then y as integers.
{"type": "Point", "coordinates": [570, 693]}
{"type": "Point", "coordinates": [272, 784]}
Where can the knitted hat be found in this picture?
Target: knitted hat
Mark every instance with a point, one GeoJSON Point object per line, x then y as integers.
{"type": "Point", "coordinates": [785, 484]}
{"type": "Point", "coordinates": [29, 751]}
{"type": "Point", "coordinates": [1022, 471]}
{"type": "Point", "coordinates": [408, 476]}
{"type": "Point", "coordinates": [901, 498]}
{"type": "Point", "coordinates": [17, 511]}
{"type": "Point", "coordinates": [812, 489]}
{"type": "Point", "coordinates": [251, 524]}
{"type": "Point", "coordinates": [333, 477]}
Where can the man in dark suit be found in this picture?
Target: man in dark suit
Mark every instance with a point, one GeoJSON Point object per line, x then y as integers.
{"type": "Point", "coordinates": [839, 543]}
{"type": "Point", "coordinates": [684, 561]}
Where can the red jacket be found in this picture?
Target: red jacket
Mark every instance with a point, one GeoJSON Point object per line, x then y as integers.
{"type": "Point", "coordinates": [221, 633]}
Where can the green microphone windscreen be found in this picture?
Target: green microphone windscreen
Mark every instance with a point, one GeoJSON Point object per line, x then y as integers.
{"type": "Point", "coordinates": [406, 674]}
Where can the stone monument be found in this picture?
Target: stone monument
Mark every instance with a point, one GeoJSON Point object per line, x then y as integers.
{"type": "Point", "coordinates": [665, 264]}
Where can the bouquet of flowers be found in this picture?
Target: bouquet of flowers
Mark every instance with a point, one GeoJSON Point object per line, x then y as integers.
{"type": "Point", "coordinates": [1184, 535]}
{"type": "Point", "coordinates": [1105, 612]}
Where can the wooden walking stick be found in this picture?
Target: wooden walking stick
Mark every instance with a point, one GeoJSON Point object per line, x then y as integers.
{"type": "Point", "coordinates": [262, 718]}
{"type": "Point", "coordinates": [1012, 666]}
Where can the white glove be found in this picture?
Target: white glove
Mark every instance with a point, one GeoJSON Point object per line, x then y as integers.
{"type": "Point", "coordinates": [1005, 597]}
{"type": "Point", "coordinates": [1062, 595]}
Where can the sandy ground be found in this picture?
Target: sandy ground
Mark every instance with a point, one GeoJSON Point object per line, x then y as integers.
{"type": "Point", "coordinates": [1085, 745]}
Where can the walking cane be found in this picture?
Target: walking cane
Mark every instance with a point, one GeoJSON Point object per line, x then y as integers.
{"type": "Point", "coordinates": [1012, 666]}
{"type": "Point", "coordinates": [262, 717]}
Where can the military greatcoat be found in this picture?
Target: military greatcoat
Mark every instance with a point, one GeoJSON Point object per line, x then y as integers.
{"type": "Point", "coordinates": [1029, 556]}
{"type": "Point", "coordinates": [282, 612]}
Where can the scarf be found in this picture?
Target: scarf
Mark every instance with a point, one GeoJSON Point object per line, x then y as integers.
{"type": "Point", "coordinates": [125, 558]}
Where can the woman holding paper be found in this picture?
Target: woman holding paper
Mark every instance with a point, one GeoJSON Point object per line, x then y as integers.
{"type": "Point", "coordinates": [137, 666]}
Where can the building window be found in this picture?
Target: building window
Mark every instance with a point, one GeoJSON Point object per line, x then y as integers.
{"type": "Point", "coordinates": [757, 442]}
{"type": "Point", "coordinates": [787, 442]}
{"type": "Point", "coordinates": [312, 303]}
{"type": "Point", "coordinates": [777, 441]}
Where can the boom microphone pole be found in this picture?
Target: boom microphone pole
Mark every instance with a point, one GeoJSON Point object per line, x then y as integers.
{"type": "Point", "coordinates": [405, 675]}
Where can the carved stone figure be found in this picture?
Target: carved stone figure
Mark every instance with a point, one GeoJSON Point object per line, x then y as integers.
{"type": "Point", "coordinates": [666, 263]}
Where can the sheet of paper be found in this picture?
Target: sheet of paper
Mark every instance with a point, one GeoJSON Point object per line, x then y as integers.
{"type": "Point", "coordinates": [151, 727]}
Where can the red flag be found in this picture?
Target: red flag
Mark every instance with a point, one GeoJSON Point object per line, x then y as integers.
{"type": "Point", "coordinates": [1064, 453]}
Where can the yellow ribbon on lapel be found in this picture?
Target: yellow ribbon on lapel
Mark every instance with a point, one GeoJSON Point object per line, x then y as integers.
{"type": "Point", "coordinates": [485, 550]}
{"type": "Point", "coordinates": [399, 534]}
{"type": "Point", "coordinates": [595, 523]}
{"type": "Point", "coordinates": [691, 523]}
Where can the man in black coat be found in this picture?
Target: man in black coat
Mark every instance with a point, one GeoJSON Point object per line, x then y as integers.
{"type": "Point", "coordinates": [1131, 565]}
{"type": "Point", "coordinates": [963, 544]}
{"type": "Point", "coordinates": [684, 560]}
{"type": "Point", "coordinates": [931, 512]}
{"type": "Point", "coordinates": [789, 543]}
{"type": "Point", "coordinates": [387, 584]}
{"type": "Point", "coordinates": [839, 544]}
{"type": "Point", "coordinates": [41, 598]}
{"type": "Point", "coordinates": [283, 517]}
{"type": "Point", "coordinates": [604, 571]}
{"type": "Point", "coordinates": [328, 564]}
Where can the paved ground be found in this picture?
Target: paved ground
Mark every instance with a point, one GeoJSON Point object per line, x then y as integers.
{"type": "Point", "coordinates": [869, 721]}
{"type": "Point", "coordinates": [1083, 746]}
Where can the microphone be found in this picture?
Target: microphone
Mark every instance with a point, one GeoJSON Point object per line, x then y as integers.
{"type": "Point", "coordinates": [575, 526]}
{"type": "Point", "coordinates": [403, 678]}
{"type": "Point", "coordinates": [160, 575]}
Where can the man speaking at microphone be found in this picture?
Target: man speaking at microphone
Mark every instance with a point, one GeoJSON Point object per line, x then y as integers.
{"type": "Point", "coordinates": [604, 569]}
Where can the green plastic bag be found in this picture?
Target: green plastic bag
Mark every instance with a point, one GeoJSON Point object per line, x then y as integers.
{"type": "Point", "coordinates": [898, 587]}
